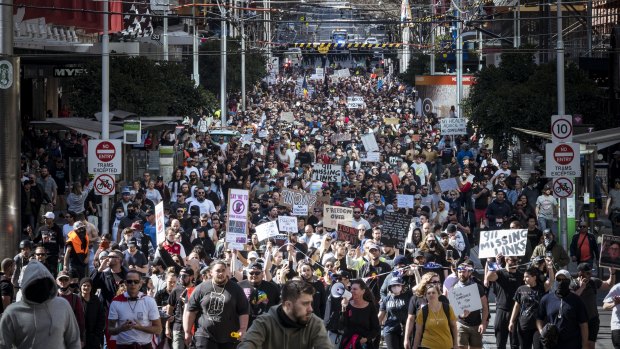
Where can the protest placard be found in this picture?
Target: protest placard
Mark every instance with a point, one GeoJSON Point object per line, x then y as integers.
{"type": "Point", "coordinates": [370, 143]}
{"type": "Point", "coordinates": [508, 242]}
{"type": "Point", "coordinates": [333, 214]}
{"type": "Point", "coordinates": [395, 229]}
{"type": "Point", "coordinates": [371, 156]}
{"type": "Point", "coordinates": [327, 173]}
{"type": "Point", "coordinates": [300, 210]}
{"type": "Point", "coordinates": [610, 251]}
{"type": "Point", "coordinates": [267, 230]}
{"type": "Point", "coordinates": [448, 184]}
{"type": "Point", "coordinates": [290, 197]}
{"type": "Point", "coordinates": [237, 227]}
{"type": "Point", "coordinates": [287, 116]}
{"type": "Point", "coordinates": [346, 233]}
{"type": "Point", "coordinates": [341, 137]}
{"type": "Point", "coordinates": [263, 134]}
{"type": "Point", "coordinates": [342, 73]}
{"type": "Point", "coordinates": [404, 201]}
{"type": "Point", "coordinates": [453, 126]}
{"type": "Point", "coordinates": [465, 298]}
{"type": "Point", "coordinates": [355, 102]}
{"type": "Point", "coordinates": [391, 121]}
{"type": "Point", "coordinates": [160, 229]}
{"type": "Point", "coordinates": [287, 224]}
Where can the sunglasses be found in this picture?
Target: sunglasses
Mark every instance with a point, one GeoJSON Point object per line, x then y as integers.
{"type": "Point", "coordinates": [255, 273]}
{"type": "Point", "coordinates": [40, 254]}
{"type": "Point", "coordinates": [132, 282]}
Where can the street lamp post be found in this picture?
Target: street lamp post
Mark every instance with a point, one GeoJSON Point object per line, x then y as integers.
{"type": "Point", "coordinates": [242, 65]}
{"type": "Point", "coordinates": [223, 66]}
{"type": "Point", "coordinates": [105, 104]}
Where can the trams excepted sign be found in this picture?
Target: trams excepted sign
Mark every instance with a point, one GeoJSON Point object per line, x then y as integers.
{"type": "Point", "coordinates": [562, 160]}
{"type": "Point", "coordinates": [105, 157]}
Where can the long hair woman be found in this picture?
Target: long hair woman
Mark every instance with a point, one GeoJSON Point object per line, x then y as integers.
{"type": "Point", "coordinates": [359, 318]}
{"type": "Point", "coordinates": [523, 318]}
{"type": "Point", "coordinates": [418, 301]}
{"type": "Point", "coordinates": [438, 330]}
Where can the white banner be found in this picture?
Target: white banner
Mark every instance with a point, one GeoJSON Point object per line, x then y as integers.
{"type": "Point", "coordinates": [508, 242]}
{"type": "Point", "coordinates": [334, 214]}
{"type": "Point", "coordinates": [300, 210]}
{"type": "Point", "coordinates": [355, 102]}
{"type": "Point", "coordinates": [267, 230]}
{"type": "Point", "coordinates": [465, 298]}
{"type": "Point", "coordinates": [370, 143]}
{"type": "Point", "coordinates": [237, 227]}
{"type": "Point", "coordinates": [448, 184]}
{"type": "Point", "coordinates": [288, 224]}
{"type": "Point", "coordinates": [287, 116]}
{"type": "Point", "coordinates": [160, 227]}
{"type": "Point", "coordinates": [327, 173]}
{"type": "Point", "coordinates": [371, 156]}
{"type": "Point", "coordinates": [453, 126]}
{"type": "Point", "coordinates": [404, 201]}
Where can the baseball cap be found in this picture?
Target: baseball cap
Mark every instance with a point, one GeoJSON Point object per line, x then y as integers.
{"type": "Point", "coordinates": [256, 265]}
{"type": "Point", "coordinates": [400, 259]}
{"type": "Point", "coordinates": [563, 272]}
{"type": "Point", "coordinates": [63, 274]}
{"type": "Point", "coordinates": [451, 228]}
{"type": "Point", "coordinates": [584, 267]}
{"type": "Point", "coordinates": [49, 215]}
{"type": "Point", "coordinates": [78, 225]}
{"type": "Point", "coordinates": [187, 270]}
{"type": "Point", "coordinates": [252, 254]}
{"type": "Point", "coordinates": [372, 246]}
{"type": "Point", "coordinates": [103, 255]}
{"type": "Point", "coordinates": [132, 242]}
{"type": "Point", "coordinates": [126, 190]}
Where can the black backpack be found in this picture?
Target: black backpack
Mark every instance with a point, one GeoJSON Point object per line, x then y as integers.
{"type": "Point", "coordinates": [446, 310]}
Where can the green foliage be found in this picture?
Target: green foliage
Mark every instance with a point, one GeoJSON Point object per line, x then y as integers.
{"type": "Point", "coordinates": [210, 59]}
{"type": "Point", "coordinates": [419, 64]}
{"type": "Point", "coordinates": [521, 94]}
{"type": "Point", "coordinates": [141, 86]}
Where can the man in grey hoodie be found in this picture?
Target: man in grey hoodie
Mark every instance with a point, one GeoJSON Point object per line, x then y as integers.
{"type": "Point", "coordinates": [40, 320]}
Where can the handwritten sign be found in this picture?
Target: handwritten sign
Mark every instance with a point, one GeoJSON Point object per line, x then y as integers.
{"type": "Point", "coordinates": [355, 102]}
{"type": "Point", "coordinates": [395, 229]}
{"type": "Point", "coordinates": [453, 126]}
{"type": "Point", "coordinates": [287, 116]}
{"type": "Point", "coordinates": [287, 223]}
{"type": "Point", "coordinates": [346, 233]}
{"type": "Point", "coordinates": [237, 227]}
{"type": "Point", "coordinates": [267, 230]}
{"type": "Point", "coordinates": [391, 121]}
{"type": "Point", "coordinates": [404, 201]}
{"type": "Point", "coordinates": [341, 137]}
{"type": "Point", "coordinates": [327, 173]}
{"type": "Point", "coordinates": [342, 73]}
{"type": "Point", "coordinates": [371, 156]}
{"type": "Point", "coordinates": [333, 214]}
{"type": "Point", "coordinates": [370, 143]}
{"type": "Point", "coordinates": [508, 242]}
{"type": "Point", "coordinates": [448, 184]}
{"type": "Point", "coordinates": [160, 229]}
{"type": "Point", "coordinates": [465, 298]}
{"type": "Point", "coordinates": [300, 210]}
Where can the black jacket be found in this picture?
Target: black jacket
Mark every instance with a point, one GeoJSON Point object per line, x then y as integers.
{"type": "Point", "coordinates": [575, 249]}
{"type": "Point", "coordinates": [95, 323]}
{"type": "Point", "coordinates": [105, 281]}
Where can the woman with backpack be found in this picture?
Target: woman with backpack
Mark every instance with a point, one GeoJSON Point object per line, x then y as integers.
{"type": "Point", "coordinates": [393, 313]}
{"type": "Point", "coordinates": [436, 323]}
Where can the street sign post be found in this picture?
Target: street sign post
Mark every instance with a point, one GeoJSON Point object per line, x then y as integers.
{"type": "Point", "coordinates": [105, 157]}
{"type": "Point", "coordinates": [562, 160]}
{"type": "Point", "coordinates": [104, 184]}
{"type": "Point", "coordinates": [561, 129]}
{"type": "Point", "coordinates": [562, 187]}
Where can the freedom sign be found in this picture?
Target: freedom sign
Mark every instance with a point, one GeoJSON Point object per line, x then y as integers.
{"type": "Point", "coordinates": [453, 126]}
{"type": "Point", "coordinates": [288, 224]}
{"type": "Point", "coordinates": [508, 242]}
{"type": "Point", "coordinates": [327, 173]}
{"type": "Point", "coordinates": [333, 214]}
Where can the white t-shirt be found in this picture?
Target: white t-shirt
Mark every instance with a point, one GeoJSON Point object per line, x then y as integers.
{"type": "Point", "coordinates": [142, 311]}
{"type": "Point", "coordinates": [206, 206]}
{"type": "Point", "coordinates": [615, 313]}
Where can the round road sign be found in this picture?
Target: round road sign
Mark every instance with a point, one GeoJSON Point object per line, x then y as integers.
{"type": "Point", "coordinates": [105, 151]}
{"type": "Point", "coordinates": [562, 187]}
{"type": "Point", "coordinates": [563, 154]}
{"type": "Point", "coordinates": [104, 184]}
{"type": "Point", "coordinates": [561, 129]}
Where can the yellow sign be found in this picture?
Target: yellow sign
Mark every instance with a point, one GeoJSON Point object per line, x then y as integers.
{"type": "Point", "coordinates": [323, 49]}
{"type": "Point", "coordinates": [391, 121]}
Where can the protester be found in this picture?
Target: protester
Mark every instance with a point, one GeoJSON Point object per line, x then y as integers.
{"type": "Point", "coordinates": [360, 322]}
{"type": "Point", "coordinates": [435, 323]}
{"type": "Point", "coordinates": [393, 313]}
{"type": "Point", "coordinates": [525, 310]}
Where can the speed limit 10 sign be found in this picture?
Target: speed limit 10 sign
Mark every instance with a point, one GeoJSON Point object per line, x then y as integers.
{"type": "Point", "coordinates": [561, 129]}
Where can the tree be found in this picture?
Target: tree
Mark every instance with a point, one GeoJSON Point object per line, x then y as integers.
{"type": "Point", "coordinates": [141, 86]}
{"type": "Point", "coordinates": [521, 94]}
{"type": "Point", "coordinates": [210, 59]}
{"type": "Point", "coordinates": [419, 64]}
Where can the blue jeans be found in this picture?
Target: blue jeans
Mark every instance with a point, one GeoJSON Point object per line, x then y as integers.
{"type": "Point", "coordinates": [546, 223]}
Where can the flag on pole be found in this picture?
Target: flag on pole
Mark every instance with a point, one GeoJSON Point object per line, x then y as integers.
{"type": "Point", "coordinates": [304, 85]}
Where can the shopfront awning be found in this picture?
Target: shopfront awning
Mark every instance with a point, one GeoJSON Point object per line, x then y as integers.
{"type": "Point", "coordinates": [602, 139]}
{"type": "Point", "coordinates": [92, 128]}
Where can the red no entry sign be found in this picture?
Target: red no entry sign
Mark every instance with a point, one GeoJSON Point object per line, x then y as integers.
{"type": "Point", "coordinates": [563, 154]}
{"type": "Point", "coordinates": [105, 151]}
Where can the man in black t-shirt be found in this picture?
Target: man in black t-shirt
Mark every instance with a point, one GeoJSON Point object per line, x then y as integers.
{"type": "Point", "coordinates": [261, 294]}
{"type": "Point", "coordinates": [176, 302]}
{"type": "Point", "coordinates": [505, 283]}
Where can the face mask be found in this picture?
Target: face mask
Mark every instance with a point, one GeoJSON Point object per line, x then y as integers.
{"type": "Point", "coordinates": [547, 242]}
{"type": "Point", "coordinates": [120, 215]}
{"type": "Point", "coordinates": [396, 289]}
{"type": "Point", "coordinates": [562, 288]}
{"type": "Point", "coordinates": [431, 244]}
{"type": "Point", "coordinates": [212, 180]}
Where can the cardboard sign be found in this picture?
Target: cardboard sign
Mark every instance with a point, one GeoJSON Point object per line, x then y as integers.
{"type": "Point", "coordinates": [300, 210]}
{"type": "Point", "coordinates": [465, 298]}
{"type": "Point", "coordinates": [160, 229]}
{"type": "Point", "coordinates": [370, 143]}
{"type": "Point", "coordinates": [287, 116]}
{"type": "Point", "coordinates": [453, 126]}
{"type": "Point", "coordinates": [355, 102]}
{"type": "Point", "coordinates": [341, 137]}
{"type": "Point", "coordinates": [404, 201]}
{"type": "Point", "coordinates": [391, 121]}
{"type": "Point", "coordinates": [610, 251]}
{"type": "Point", "coordinates": [448, 184]}
{"type": "Point", "coordinates": [287, 224]}
{"type": "Point", "coordinates": [333, 214]}
{"type": "Point", "coordinates": [267, 230]}
{"type": "Point", "coordinates": [346, 233]}
{"type": "Point", "coordinates": [395, 229]}
{"type": "Point", "coordinates": [290, 197]}
{"type": "Point", "coordinates": [508, 242]}
{"type": "Point", "coordinates": [237, 227]}
{"type": "Point", "coordinates": [342, 73]}
{"type": "Point", "coordinates": [371, 156]}
{"type": "Point", "coordinates": [327, 173]}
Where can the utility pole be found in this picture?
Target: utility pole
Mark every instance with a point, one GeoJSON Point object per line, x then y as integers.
{"type": "Point", "coordinates": [432, 53]}
{"type": "Point", "coordinates": [195, 56]}
{"type": "Point", "coordinates": [165, 38]}
{"type": "Point", "coordinates": [105, 105]}
{"type": "Point", "coordinates": [10, 185]}
{"type": "Point", "coordinates": [561, 111]}
{"type": "Point", "coordinates": [223, 66]}
{"type": "Point", "coordinates": [459, 61]}
{"type": "Point", "coordinates": [242, 65]}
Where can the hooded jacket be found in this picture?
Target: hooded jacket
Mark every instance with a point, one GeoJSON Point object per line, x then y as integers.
{"type": "Point", "coordinates": [269, 331]}
{"type": "Point", "coordinates": [50, 324]}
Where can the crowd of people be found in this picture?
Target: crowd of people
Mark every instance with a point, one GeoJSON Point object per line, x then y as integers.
{"type": "Point", "coordinates": [127, 289]}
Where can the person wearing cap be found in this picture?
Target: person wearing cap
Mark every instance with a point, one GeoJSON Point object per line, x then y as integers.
{"type": "Point", "coordinates": [567, 311]}
{"type": "Point", "coordinates": [55, 325]}
{"type": "Point", "coordinates": [134, 258]}
{"type": "Point", "coordinates": [191, 168]}
{"type": "Point", "coordinates": [586, 287]}
{"type": "Point", "coordinates": [371, 268]}
{"type": "Point", "coordinates": [63, 281]}
{"type": "Point", "coordinates": [471, 325]}
{"type": "Point", "coordinates": [393, 312]}
{"type": "Point", "coordinates": [293, 323]}
{"type": "Point", "coordinates": [176, 303]}
{"type": "Point", "coordinates": [547, 210]}
{"type": "Point", "coordinates": [504, 283]}
{"type": "Point", "coordinates": [77, 251]}
{"type": "Point", "coordinates": [261, 292]}
{"type": "Point", "coordinates": [498, 210]}
{"type": "Point", "coordinates": [549, 247]}
{"type": "Point", "coordinates": [49, 226]}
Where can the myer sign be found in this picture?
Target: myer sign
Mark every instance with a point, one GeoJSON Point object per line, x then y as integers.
{"type": "Point", "coordinates": [68, 72]}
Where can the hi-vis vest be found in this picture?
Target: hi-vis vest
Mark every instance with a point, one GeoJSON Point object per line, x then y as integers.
{"type": "Point", "coordinates": [76, 243]}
